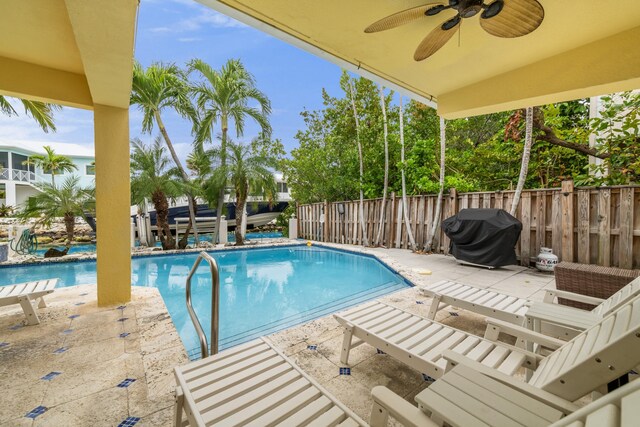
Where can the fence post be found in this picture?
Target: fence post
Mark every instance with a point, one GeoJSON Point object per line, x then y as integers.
{"type": "Point", "coordinates": [297, 217]}
{"type": "Point", "coordinates": [327, 221]}
{"type": "Point", "coordinates": [567, 220]}
{"type": "Point", "coordinates": [392, 219]}
{"type": "Point", "coordinates": [293, 227]}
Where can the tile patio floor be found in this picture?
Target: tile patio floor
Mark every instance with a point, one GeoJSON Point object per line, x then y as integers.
{"type": "Point", "coordinates": [95, 359]}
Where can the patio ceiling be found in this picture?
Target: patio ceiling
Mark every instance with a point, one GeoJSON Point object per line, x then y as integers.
{"type": "Point", "coordinates": [583, 48]}
{"type": "Point", "coordinates": [70, 52]}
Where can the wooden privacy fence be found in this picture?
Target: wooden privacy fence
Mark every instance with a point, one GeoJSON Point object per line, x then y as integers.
{"type": "Point", "coordinates": [585, 224]}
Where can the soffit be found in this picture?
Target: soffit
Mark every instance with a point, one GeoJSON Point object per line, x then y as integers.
{"type": "Point", "coordinates": [335, 28]}
{"type": "Point", "coordinates": [39, 32]}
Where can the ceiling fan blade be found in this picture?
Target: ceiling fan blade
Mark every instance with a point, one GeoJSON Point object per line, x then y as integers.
{"type": "Point", "coordinates": [400, 18]}
{"type": "Point", "coordinates": [437, 38]}
{"type": "Point", "coordinates": [517, 18]}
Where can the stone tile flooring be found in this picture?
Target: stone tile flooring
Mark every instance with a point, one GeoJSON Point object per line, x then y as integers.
{"type": "Point", "coordinates": [89, 366]}
{"type": "Point", "coordinates": [315, 346]}
{"type": "Point", "coordinates": [106, 377]}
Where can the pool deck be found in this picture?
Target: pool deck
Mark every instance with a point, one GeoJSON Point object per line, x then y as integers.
{"type": "Point", "coordinates": [95, 360]}
{"type": "Point", "coordinates": [93, 350]}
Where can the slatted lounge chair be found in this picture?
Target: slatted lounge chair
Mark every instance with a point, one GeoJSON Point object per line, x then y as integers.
{"type": "Point", "coordinates": [255, 384]}
{"type": "Point", "coordinates": [24, 293]}
{"type": "Point", "coordinates": [512, 309]}
{"type": "Point", "coordinates": [488, 401]}
{"type": "Point", "coordinates": [602, 353]}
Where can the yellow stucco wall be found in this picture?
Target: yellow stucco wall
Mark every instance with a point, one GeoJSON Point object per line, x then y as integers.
{"type": "Point", "coordinates": [112, 204]}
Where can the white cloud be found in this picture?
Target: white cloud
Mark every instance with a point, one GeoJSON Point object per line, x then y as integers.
{"type": "Point", "coordinates": [73, 125]}
{"type": "Point", "coordinates": [205, 17]}
{"type": "Point", "coordinates": [189, 39]}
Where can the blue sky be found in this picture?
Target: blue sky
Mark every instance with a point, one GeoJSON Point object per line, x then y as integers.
{"type": "Point", "coordinates": [179, 30]}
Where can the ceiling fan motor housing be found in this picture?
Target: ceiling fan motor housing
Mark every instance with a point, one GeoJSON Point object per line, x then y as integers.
{"type": "Point", "coordinates": [467, 8]}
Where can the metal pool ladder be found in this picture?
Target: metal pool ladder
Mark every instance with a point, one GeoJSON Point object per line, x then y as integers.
{"type": "Point", "coordinates": [215, 298]}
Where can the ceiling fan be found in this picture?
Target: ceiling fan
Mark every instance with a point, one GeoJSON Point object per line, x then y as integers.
{"type": "Point", "coordinates": [500, 18]}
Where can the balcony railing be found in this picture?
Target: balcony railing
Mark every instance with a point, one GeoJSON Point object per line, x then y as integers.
{"type": "Point", "coordinates": [4, 174]}
{"type": "Point", "coordinates": [24, 176]}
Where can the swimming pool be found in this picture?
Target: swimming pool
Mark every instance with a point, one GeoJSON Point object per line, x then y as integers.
{"type": "Point", "coordinates": [262, 290]}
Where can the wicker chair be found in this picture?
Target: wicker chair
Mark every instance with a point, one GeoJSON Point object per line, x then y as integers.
{"type": "Point", "coordinates": [591, 280]}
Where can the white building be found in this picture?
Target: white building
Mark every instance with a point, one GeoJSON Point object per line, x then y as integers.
{"type": "Point", "coordinates": [17, 179]}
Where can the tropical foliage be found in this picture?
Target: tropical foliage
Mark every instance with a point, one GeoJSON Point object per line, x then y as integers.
{"type": "Point", "coordinates": [156, 89]}
{"type": "Point", "coordinates": [152, 177]}
{"type": "Point", "coordinates": [484, 153]}
{"type": "Point", "coordinates": [223, 98]}
{"type": "Point", "coordinates": [247, 172]}
{"type": "Point", "coordinates": [353, 147]}
{"type": "Point", "coordinates": [67, 201]}
{"type": "Point", "coordinates": [41, 112]}
{"type": "Point", "coordinates": [51, 163]}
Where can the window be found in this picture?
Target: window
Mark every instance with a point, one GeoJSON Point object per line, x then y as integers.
{"type": "Point", "coordinates": [3, 191]}
{"type": "Point", "coordinates": [282, 187]}
{"type": "Point", "coordinates": [17, 162]}
{"type": "Point", "coordinates": [4, 160]}
{"type": "Point", "coordinates": [90, 170]}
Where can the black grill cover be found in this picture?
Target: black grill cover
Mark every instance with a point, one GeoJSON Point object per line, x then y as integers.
{"type": "Point", "coordinates": [483, 236]}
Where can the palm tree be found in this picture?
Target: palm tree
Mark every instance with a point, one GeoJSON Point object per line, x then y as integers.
{"type": "Point", "coordinates": [151, 177]}
{"type": "Point", "coordinates": [41, 112]}
{"type": "Point", "coordinates": [407, 223]}
{"type": "Point", "coordinates": [50, 162]}
{"type": "Point", "coordinates": [154, 90]}
{"type": "Point", "coordinates": [222, 97]}
{"type": "Point", "coordinates": [436, 217]}
{"type": "Point", "coordinates": [526, 155]}
{"type": "Point", "coordinates": [365, 242]}
{"type": "Point", "coordinates": [68, 201]}
{"type": "Point", "coordinates": [383, 205]}
{"type": "Point", "coordinates": [247, 173]}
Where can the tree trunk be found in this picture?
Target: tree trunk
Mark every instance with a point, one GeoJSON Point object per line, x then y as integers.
{"type": "Point", "coordinates": [183, 173]}
{"type": "Point", "coordinates": [407, 224]}
{"type": "Point", "coordinates": [240, 202]}
{"type": "Point", "coordinates": [193, 210]}
{"type": "Point", "coordinates": [70, 224]}
{"type": "Point", "coordinates": [365, 242]}
{"type": "Point", "coordinates": [386, 167]}
{"type": "Point", "coordinates": [223, 164]}
{"type": "Point", "coordinates": [161, 206]}
{"type": "Point", "coordinates": [53, 179]}
{"type": "Point", "coordinates": [549, 136]}
{"type": "Point", "coordinates": [526, 155]}
{"type": "Point", "coordinates": [436, 218]}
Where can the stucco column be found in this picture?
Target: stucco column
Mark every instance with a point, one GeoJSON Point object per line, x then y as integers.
{"type": "Point", "coordinates": [112, 204]}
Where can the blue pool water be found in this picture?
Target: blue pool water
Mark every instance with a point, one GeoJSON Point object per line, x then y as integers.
{"type": "Point", "coordinates": [91, 247]}
{"type": "Point", "coordinates": [262, 290]}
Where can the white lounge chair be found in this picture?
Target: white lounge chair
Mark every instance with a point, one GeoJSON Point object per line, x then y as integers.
{"type": "Point", "coordinates": [512, 309]}
{"type": "Point", "coordinates": [464, 397]}
{"type": "Point", "coordinates": [24, 293]}
{"type": "Point", "coordinates": [255, 384]}
{"type": "Point", "coordinates": [607, 350]}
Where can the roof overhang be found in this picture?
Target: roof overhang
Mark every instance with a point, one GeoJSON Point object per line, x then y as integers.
{"type": "Point", "coordinates": [580, 50]}
{"type": "Point", "coordinates": [76, 53]}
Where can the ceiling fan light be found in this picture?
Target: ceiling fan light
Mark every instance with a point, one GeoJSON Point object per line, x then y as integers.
{"type": "Point", "coordinates": [492, 10]}
{"type": "Point", "coordinates": [470, 11]}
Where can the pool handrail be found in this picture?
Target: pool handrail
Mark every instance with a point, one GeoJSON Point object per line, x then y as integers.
{"type": "Point", "coordinates": [215, 298]}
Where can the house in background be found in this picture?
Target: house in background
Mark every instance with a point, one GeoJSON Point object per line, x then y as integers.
{"type": "Point", "coordinates": [17, 180]}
